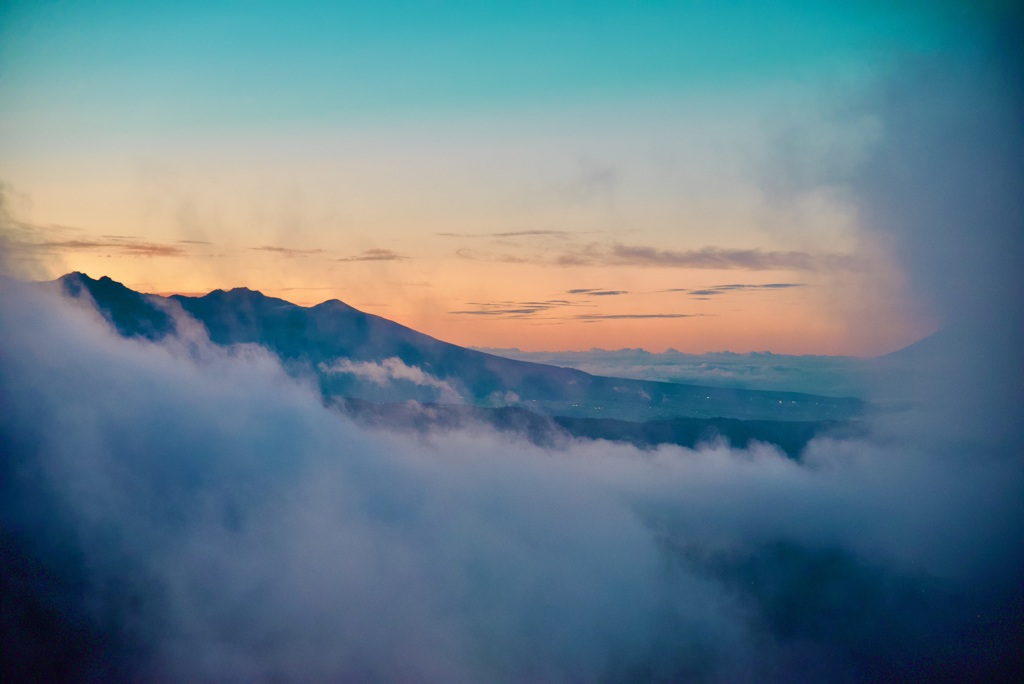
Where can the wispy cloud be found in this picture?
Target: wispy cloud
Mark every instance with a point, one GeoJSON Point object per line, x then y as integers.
{"type": "Point", "coordinates": [496, 257]}
{"type": "Point", "coordinates": [734, 287]}
{"type": "Point", "coordinates": [598, 254]}
{"type": "Point", "coordinates": [519, 309]}
{"type": "Point", "coordinates": [705, 257]}
{"type": "Point", "coordinates": [376, 255]}
{"type": "Point", "coordinates": [287, 251]}
{"type": "Point", "coordinates": [620, 317]}
{"type": "Point", "coordinates": [501, 312]}
{"type": "Point", "coordinates": [596, 292]}
{"type": "Point", "coordinates": [509, 309]}
{"type": "Point", "coordinates": [122, 246]}
{"type": "Point", "coordinates": [552, 311]}
{"type": "Point", "coordinates": [34, 239]}
{"type": "Point", "coordinates": [510, 234]}
{"type": "Point", "coordinates": [764, 286]}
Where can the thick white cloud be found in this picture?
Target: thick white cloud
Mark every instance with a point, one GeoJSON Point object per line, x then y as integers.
{"type": "Point", "coordinates": [234, 528]}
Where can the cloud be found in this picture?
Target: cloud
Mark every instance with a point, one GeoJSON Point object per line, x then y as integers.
{"type": "Point", "coordinates": [287, 251]}
{"type": "Point", "coordinates": [390, 370]}
{"type": "Point", "coordinates": [939, 195]}
{"type": "Point", "coordinates": [735, 287]}
{"type": "Point", "coordinates": [503, 311]}
{"type": "Point", "coordinates": [512, 233]}
{"type": "Point", "coordinates": [719, 258]}
{"type": "Point", "coordinates": [598, 292]}
{"type": "Point", "coordinates": [497, 257]}
{"type": "Point", "coordinates": [612, 317]}
{"type": "Point", "coordinates": [196, 514]}
{"type": "Point", "coordinates": [764, 286]}
{"type": "Point", "coordinates": [28, 241]}
{"type": "Point", "coordinates": [514, 309]}
{"type": "Point", "coordinates": [376, 255]}
{"type": "Point", "coordinates": [614, 254]}
{"type": "Point", "coordinates": [550, 310]}
{"type": "Point", "coordinates": [122, 246]}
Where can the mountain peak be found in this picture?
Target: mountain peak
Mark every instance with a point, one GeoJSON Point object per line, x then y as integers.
{"type": "Point", "coordinates": [244, 296]}
{"type": "Point", "coordinates": [130, 312]}
{"type": "Point", "coordinates": [237, 291]}
{"type": "Point", "coordinates": [333, 305]}
{"type": "Point", "coordinates": [76, 281]}
{"type": "Point", "coordinates": [75, 276]}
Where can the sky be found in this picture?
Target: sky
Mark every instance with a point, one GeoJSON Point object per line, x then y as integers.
{"type": "Point", "coordinates": [539, 175]}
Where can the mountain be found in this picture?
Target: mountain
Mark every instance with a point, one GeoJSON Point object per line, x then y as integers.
{"type": "Point", "coordinates": [358, 355]}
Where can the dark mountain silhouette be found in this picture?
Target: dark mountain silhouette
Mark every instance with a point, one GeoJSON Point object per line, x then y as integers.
{"type": "Point", "coordinates": [131, 313]}
{"type": "Point", "coordinates": [311, 339]}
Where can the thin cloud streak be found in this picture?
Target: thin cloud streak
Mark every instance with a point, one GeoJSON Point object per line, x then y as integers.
{"type": "Point", "coordinates": [501, 258]}
{"type": "Point", "coordinates": [376, 255]}
{"type": "Point", "coordinates": [287, 251]}
{"type": "Point", "coordinates": [597, 292]}
{"type": "Point", "coordinates": [511, 233]}
{"type": "Point", "coordinates": [704, 293]}
{"type": "Point", "coordinates": [121, 246]}
{"type": "Point", "coordinates": [711, 258]}
{"type": "Point", "coordinates": [611, 317]}
{"type": "Point", "coordinates": [511, 309]}
{"type": "Point", "coordinates": [719, 258]}
{"type": "Point", "coordinates": [25, 238]}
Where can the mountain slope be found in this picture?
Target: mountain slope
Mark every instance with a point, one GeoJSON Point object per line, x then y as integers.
{"type": "Point", "coordinates": [315, 339]}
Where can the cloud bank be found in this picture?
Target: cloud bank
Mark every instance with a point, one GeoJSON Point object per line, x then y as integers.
{"type": "Point", "coordinates": [191, 512]}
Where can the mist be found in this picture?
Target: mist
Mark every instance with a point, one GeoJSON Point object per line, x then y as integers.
{"type": "Point", "coordinates": [185, 511]}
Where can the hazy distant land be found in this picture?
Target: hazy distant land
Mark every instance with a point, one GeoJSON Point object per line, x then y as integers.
{"type": "Point", "coordinates": [838, 376]}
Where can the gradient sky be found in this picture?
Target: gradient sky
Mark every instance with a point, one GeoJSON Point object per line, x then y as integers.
{"type": "Point", "coordinates": [542, 175]}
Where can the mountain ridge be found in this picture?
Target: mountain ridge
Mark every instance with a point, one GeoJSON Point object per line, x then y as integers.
{"type": "Point", "coordinates": [317, 336]}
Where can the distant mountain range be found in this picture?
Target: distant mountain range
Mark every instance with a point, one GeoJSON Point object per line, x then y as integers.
{"type": "Point", "coordinates": [364, 363]}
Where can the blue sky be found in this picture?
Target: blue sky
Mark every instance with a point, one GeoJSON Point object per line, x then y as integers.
{"type": "Point", "coordinates": [210, 65]}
